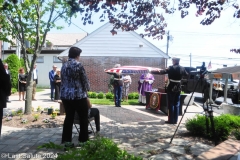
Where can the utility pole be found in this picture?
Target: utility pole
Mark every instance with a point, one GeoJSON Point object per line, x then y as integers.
{"type": "Point", "coordinates": [190, 59]}
{"type": "Point", "coordinates": [167, 46]}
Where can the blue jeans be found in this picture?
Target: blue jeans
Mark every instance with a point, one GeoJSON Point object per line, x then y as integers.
{"type": "Point", "coordinates": [173, 106]}
{"type": "Point", "coordinates": [118, 95]}
{"type": "Point", "coordinates": [52, 84]}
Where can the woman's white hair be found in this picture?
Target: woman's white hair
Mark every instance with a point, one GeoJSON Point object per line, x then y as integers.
{"type": "Point", "coordinates": [117, 65]}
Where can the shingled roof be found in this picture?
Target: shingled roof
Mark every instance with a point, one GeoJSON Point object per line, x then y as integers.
{"type": "Point", "coordinates": [234, 69]}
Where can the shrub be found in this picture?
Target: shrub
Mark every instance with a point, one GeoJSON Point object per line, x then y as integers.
{"type": "Point", "coordinates": [35, 117]}
{"type": "Point", "coordinates": [9, 118]}
{"type": "Point", "coordinates": [236, 134]}
{"type": "Point", "coordinates": [19, 110]}
{"type": "Point", "coordinates": [14, 90]}
{"type": "Point", "coordinates": [39, 109]}
{"type": "Point", "coordinates": [100, 95]}
{"type": "Point", "coordinates": [131, 96]}
{"type": "Point", "coordinates": [13, 65]}
{"type": "Point", "coordinates": [109, 95]}
{"type": "Point", "coordinates": [196, 126]}
{"type": "Point", "coordinates": [223, 124]}
{"type": "Point", "coordinates": [136, 95]}
{"type": "Point", "coordinates": [97, 149]}
{"type": "Point", "coordinates": [90, 94]}
{"type": "Point", "coordinates": [22, 64]}
{"type": "Point", "coordinates": [13, 113]}
{"type": "Point", "coordinates": [93, 95]}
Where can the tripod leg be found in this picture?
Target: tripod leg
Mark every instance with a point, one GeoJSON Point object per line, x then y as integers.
{"type": "Point", "coordinates": [184, 111]}
{"type": "Point", "coordinates": [212, 126]}
{"type": "Point", "coordinates": [207, 120]}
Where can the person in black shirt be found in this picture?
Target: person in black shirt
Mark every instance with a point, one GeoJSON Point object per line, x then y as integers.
{"type": "Point", "coordinates": [57, 80]}
{"type": "Point", "coordinates": [22, 81]}
{"type": "Point", "coordinates": [5, 90]}
{"type": "Point", "coordinates": [175, 74]}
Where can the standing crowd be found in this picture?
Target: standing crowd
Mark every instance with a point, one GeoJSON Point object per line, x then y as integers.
{"type": "Point", "coordinates": [71, 86]}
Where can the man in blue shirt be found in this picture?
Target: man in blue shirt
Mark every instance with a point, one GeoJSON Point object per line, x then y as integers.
{"type": "Point", "coordinates": [51, 78]}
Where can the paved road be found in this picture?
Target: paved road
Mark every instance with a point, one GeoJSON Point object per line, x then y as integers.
{"type": "Point", "coordinates": [199, 100]}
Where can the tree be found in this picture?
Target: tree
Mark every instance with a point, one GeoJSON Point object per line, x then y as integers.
{"type": "Point", "coordinates": [130, 15]}
{"type": "Point", "coordinates": [31, 20]}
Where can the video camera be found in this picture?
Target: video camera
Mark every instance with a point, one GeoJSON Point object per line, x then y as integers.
{"type": "Point", "coordinates": [203, 70]}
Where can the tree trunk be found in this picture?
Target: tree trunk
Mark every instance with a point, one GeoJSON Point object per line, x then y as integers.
{"type": "Point", "coordinates": [28, 102]}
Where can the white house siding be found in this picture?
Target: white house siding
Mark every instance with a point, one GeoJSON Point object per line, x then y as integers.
{"type": "Point", "coordinates": [43, 68]}
{"type": "Point", "coordinates": [125, 44]}
{"type": "Point", "coordinates": [101, 50]}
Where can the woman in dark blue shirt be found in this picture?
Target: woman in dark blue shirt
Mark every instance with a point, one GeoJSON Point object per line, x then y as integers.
{"type": "Point", "coordinates": [73, 93]}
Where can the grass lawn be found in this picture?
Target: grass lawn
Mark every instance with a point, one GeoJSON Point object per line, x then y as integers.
{"type": "Point", "coordinates": [111, 102]}
{"type": "Point", "coordinates": [39, 89]}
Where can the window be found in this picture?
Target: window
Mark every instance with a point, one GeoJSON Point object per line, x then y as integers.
{"type": "Point", "coordinates": [56, 60]}
{"type": "Point", "coordinates": [40, 59]}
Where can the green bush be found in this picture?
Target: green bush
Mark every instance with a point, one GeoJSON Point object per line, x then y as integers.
{"type": "Point", "coordinates": [109, 95]}
{"type": "Point", "coordinates": [197, 125]}
{"type": "Point", "coordinates": [99, 148]}
{"type": "Point", "coordinates": [236, 134]}
{"type": "Point", "coordinates": [13, 65]}
{"type": "Point", "coordinates": [90, 94]}
{"type": "Point", "coordinates": [14, 90]}
{"type": "Point", "coordinates": [131, 96]}
{"type": "Point", "coordinates": [223, 124]}
{"type": "Point", "coordinates": [22, 64]}
{"type": "Point", "coordinates": [93, 95]}
{"type": "Point", "coordinates": [100, 95]}
{"type": "Point", "coordinates": [136, 95]}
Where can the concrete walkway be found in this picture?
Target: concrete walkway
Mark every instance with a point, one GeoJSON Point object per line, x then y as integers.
{"type": "Point", "coordinates": [134, 128]}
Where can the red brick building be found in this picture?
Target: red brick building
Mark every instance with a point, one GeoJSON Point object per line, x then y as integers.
{"type": "Point", "coordinates": [102, 50]}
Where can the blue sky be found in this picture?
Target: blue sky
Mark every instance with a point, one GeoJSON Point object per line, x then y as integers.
{"type": "Point", "coordinates": [205, 43]}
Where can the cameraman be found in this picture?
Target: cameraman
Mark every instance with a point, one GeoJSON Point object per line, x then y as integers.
{"type": "Point", "coordinates": [175, 74]}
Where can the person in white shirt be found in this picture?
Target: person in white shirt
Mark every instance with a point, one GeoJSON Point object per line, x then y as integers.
{"type": "Point", "coordinates": [126, 83]}
{"type": "Point", "coordinates": [35, 81]}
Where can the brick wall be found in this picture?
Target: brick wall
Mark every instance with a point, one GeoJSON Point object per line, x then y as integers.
{"type": "Point", "coordinates": [99, 80]}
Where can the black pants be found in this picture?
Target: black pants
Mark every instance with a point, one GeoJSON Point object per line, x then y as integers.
{"type": "Point", "coordinates": [1, 116]}
{"type": "Point", "coordinates": [57, 92]}
{"type": "Point", "coordinates": [80, 106]}
{"type": "Point", "coordinates": [95, 113]}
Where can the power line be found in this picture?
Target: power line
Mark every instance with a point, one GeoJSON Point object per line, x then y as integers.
{"type": "Point", "coordinates": [202, 33]}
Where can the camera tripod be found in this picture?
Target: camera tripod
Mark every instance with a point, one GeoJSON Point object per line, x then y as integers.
{"type": "Point", "coordinates": [208, 112]}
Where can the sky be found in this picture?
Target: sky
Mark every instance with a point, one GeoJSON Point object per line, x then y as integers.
{"type": "Point", "coordinates": [203, 43]}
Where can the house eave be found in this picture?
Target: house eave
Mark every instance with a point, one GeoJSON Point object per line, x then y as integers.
{"type": "Point", "coordinates": [42, 52]}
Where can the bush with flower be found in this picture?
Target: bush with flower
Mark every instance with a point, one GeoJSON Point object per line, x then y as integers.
{"type": "Point", "coordinates": [19, 110]}
{"type": "Point", "coordinates": [24, 121]}
{"type": "Point", "coordinates": [46, 120]}
{"type": "Point", "coordinates": [36, 117]}
{"type": "Point", "coordinates": [9, 118]}
{"type": "Point", "coordinates": [14, 113]}
{"type": "Point", "coordinates": [39, 109]}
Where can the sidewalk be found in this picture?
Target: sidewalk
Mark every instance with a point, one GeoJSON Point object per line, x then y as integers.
{"type": "Point", "coordinates": [136, 129]}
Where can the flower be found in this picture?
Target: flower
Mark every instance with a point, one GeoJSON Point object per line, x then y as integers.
{"type": "Point", "coordinates": [8, 118]}
{"type": "Point", "coordinates": [19, 110]}
{"type": "Point", "coordinates": [46, 120]}
{"type": "Point", "coordinates": [36, 116]}
{"type": "Point", "coordinates": [39, 108]}
{"type": "Point", "coordinates": [24, 121]}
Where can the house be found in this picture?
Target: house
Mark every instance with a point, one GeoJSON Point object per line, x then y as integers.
{"type": "Point", "coordinates": [101, 50]}
{"type": "Point", "coordinates": [48, 56]}
{"type": "Point", "coordinates": [235, 71]}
